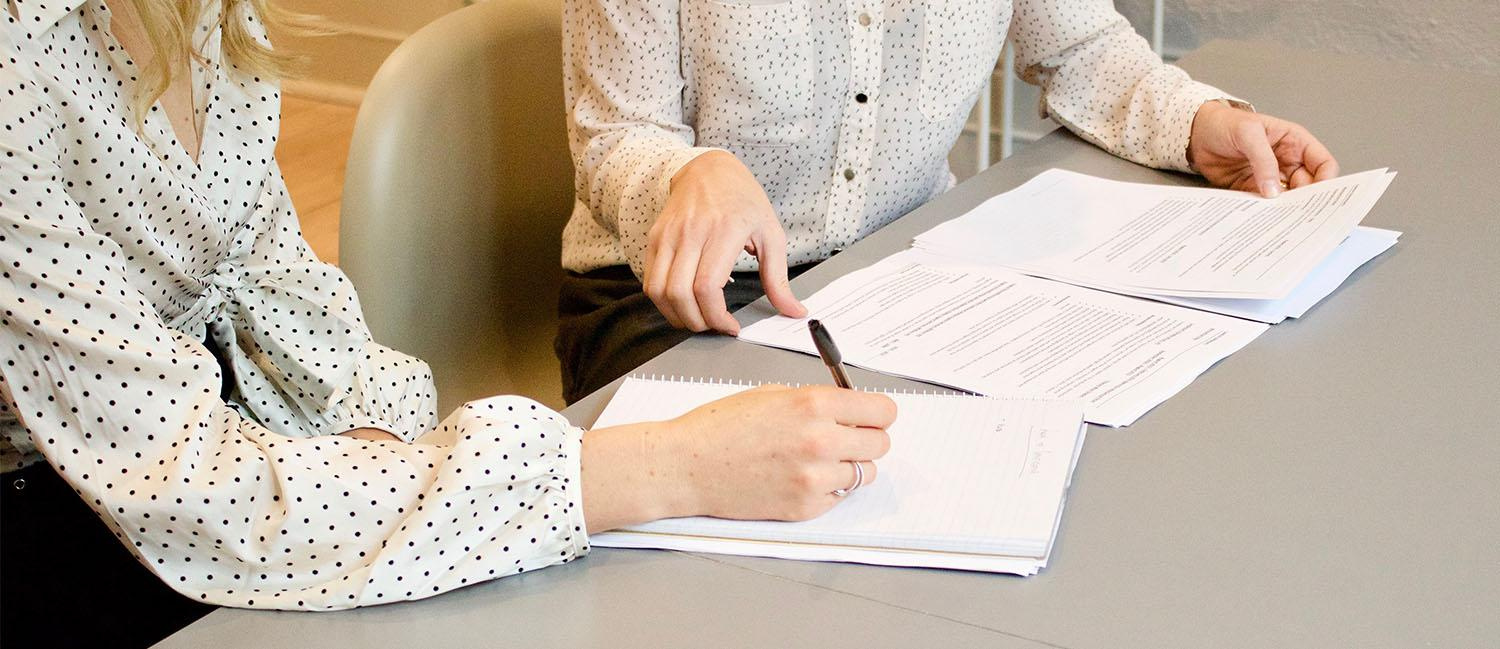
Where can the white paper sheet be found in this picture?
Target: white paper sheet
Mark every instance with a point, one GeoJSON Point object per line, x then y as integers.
{"type": "Point", "coordinates": [1139, 238]}
{"type": "Point", "coordinates": [970, 483]}
{"type": "Point", "coordinates": [1362, 245]}
{"type": "Point", "coordinates": [993, 331]}
{"type": "Point", "coordinates": [845, 554]}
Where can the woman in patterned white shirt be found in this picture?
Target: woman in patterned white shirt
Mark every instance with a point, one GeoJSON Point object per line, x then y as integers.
{"type": "Point", "coordinates": [730, 138]}
{"type": "Point", "coordinates": [177, 363]}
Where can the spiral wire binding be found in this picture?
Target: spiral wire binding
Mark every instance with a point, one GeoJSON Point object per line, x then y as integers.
{"type": "Point", "coordinates": [703, 380]}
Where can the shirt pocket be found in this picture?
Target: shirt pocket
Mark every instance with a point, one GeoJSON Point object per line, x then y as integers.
{"type": "Point", "coordinates": [961, 40]}
{"type": "Point", "coordinates": [752, 70]}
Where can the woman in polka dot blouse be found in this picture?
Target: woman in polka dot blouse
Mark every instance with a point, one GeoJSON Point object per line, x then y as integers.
{"type": "Point", "coordinates": [730, 138]}
{"type": "Point", "coordinates": [180, 365]}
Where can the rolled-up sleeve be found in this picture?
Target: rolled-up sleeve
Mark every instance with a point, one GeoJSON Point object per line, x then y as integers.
{"type": "Point", "coordinates": [1102, 81]}
{"type": "Point", "coordinates": [623, 90]}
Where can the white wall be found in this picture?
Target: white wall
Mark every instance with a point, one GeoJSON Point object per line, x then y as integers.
{"type": "Point", "coordinates": [1457, 34]}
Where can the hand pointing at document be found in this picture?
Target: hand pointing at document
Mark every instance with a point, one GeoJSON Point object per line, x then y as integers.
{"type": "Point", "coordinates": [714, 210]}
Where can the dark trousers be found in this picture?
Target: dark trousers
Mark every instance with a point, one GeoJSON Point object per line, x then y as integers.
{"type": "Point", "coordinates": [608, 327]}
{"type": "Point", "coordinates": [66, 581]}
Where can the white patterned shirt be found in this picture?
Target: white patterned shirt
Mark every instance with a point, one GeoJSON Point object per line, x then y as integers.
{"type": "Point", "coordinates": [124, 261]}
{"type": "Point", "coordinates": [844, 110]}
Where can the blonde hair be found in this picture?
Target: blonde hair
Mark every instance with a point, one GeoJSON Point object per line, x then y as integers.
{"type": "Point", "coordinates": [169, 26]}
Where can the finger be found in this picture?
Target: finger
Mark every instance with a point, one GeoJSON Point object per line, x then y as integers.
{"type": "Point", "coordinates": [770, 247]}
{"type": "Point", "coordinates": [850, 407]}
{"type": "Point", "coordinates": [1299, 178]}
{"type": "Point", "coordinates": [680, 287]}
{"type": "Point", "coordinates": [714, 270]}
{"type": "Point", "coordinates": [842, 475]}
{"type": "Point", "coordinates": [1252, 143]}
{"type": "Point", "coordinates": [1317, 159]}
{"type": "Point", "coordinates": [857, 443]}
{"type": "Point", "coordinates": [654, 282]}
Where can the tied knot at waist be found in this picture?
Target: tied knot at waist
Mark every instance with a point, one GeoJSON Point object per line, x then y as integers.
{"type": "Point", "coordinates": [226, 278]}
{"type": "Point", "coordinates": [284, 323]}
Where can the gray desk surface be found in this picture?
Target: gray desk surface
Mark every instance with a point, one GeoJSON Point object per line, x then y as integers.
{"type": "Point", "coordinates": [1333, 485]}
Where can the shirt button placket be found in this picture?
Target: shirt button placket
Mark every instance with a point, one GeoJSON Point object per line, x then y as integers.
{"type": "Point", "coordinates": [858, 130]}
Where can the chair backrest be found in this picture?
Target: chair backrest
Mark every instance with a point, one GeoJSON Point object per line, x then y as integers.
{"type": "Point", "coordinates": [458, 184]}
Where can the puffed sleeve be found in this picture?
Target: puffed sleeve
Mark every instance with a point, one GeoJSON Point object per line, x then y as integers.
{"type": "Point", "coordinates": [623, 91]}
{"type": "Point", "coordinates": [1101, 80]}
{"type": "Point", "coordinates": [127, 410]}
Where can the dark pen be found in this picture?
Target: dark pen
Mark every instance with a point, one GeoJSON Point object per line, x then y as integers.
{"type": "Point", "coordinates": [830, 353]}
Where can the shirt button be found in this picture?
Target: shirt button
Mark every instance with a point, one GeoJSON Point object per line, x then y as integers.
{"type": "Point", "coordinates": [861, 98]}
{"type": "Point", "coordinates": [848, 174]}
{"type": "Point", "coordinates": [864, 20]}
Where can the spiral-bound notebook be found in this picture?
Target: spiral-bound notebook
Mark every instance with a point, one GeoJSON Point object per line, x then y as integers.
{"type": "Point", "coordinates": [970, 482]}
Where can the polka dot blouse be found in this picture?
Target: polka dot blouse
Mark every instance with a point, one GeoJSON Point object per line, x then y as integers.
{"type": "Point", "coordinates": [844, 110]}
{"type": "Point", "coordinates": [128, 268]}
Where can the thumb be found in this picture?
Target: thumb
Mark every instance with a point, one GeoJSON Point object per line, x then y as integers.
{"type": "Point", "coordinates": [1264, 169]}
{"type": "Point", "coordinates": [770, 250]}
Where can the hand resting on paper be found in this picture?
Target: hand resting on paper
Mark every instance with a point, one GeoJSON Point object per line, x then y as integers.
{"type": "Point", "coordinates": [771, 453]}
{"type": "Point", "coordinates": [1253, 152]}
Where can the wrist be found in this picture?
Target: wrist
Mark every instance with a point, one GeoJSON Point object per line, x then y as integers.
{"type": "Point", "coordinates": [1209, 116]}
{"type": "Point", "coordinates": [668, 456]}
{"type": "Point", "coordinates": [1201, 119]}
{"type": "Point", "coordinates": [634, 474]}
{"type": "Point", "coordinates": [701, 164]}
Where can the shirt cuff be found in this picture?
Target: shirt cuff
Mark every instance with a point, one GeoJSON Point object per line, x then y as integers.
{"type": "Point", "coordinates": [391, 391]}
{"type": "Point", "coordinates": [1171, 145]}
{"type": "Point", "coordinates": [635, 233]}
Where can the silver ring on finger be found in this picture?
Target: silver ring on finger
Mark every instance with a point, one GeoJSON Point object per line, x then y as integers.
{"type": "Point", "coordinates": [859, 479]}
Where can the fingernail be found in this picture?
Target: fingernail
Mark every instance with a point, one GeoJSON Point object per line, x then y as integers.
{"type": "Point", "coordinates": [1270, 188]}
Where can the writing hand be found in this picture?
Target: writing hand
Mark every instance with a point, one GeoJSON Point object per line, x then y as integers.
{"type": "Point", "coordinates": [771, 453]}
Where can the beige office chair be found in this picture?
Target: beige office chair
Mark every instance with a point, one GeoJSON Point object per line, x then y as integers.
{"type": "Point", "coordinates": [458, 185]}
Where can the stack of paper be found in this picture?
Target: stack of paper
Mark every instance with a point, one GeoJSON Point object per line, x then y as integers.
{"type": "Point", "coordinates": [1220, 250]}
{"type": "Point", "coordinates": [1002, 300]}
{"type": "Point", "coordinates": [971, 483]}
{"type": "Point", "coordinates": [995, 331]}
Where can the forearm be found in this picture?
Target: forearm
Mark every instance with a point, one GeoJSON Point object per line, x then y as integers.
{"type": "Point", "coordinates": [622, 89]}
{"type": "Point", "coordinates": [1102, 81]}
{"type": "Point", "coordinates": [633, 474]}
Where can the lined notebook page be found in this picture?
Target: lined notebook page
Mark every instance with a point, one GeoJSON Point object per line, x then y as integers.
{"type": "Point", "coordinates": [965, 474]}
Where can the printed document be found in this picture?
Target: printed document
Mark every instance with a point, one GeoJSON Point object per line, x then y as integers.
{"type": "Point", "coordinates": [1146, 239]}
{"type": "Point", "coordinates": [997, 332]}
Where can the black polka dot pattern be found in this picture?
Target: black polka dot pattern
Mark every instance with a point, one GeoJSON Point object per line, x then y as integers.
{"type": "Point", "coordinates": [844, 110]}
{"type": "Point", "coordinates": [122, 256]}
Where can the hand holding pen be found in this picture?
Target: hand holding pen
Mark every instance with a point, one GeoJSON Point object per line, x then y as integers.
{"type": "Point", "coordinates": [831, 356]}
